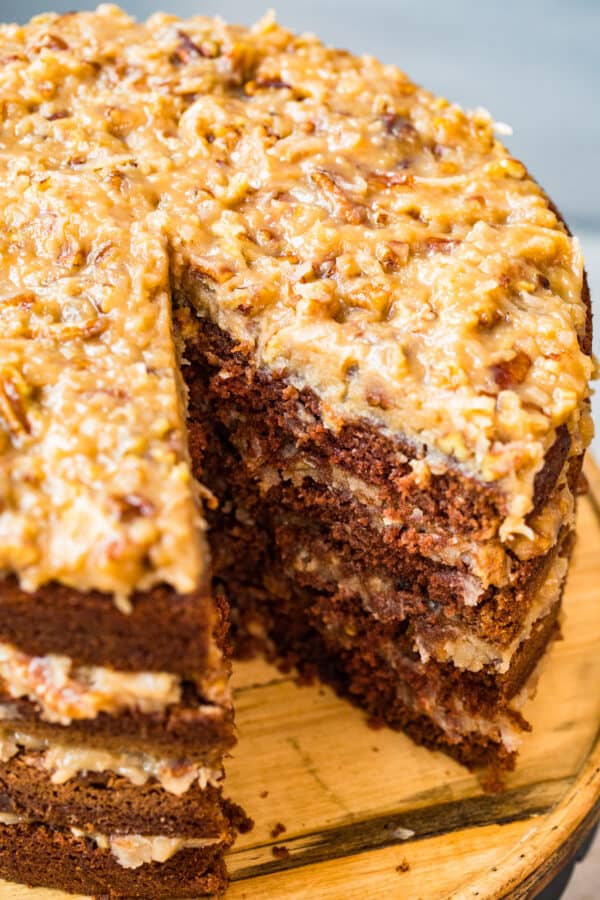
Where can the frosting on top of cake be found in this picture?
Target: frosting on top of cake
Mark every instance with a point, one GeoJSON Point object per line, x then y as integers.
{"type": "Point", "coordinates": [349, 229]}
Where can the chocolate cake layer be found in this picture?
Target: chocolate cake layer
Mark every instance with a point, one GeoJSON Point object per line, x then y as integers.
{"type": "Point", "coordinates": [345, 620]}
{"type": "Point", "coordinates": [306, 554]}
{"type": "Point", "coordinates": [109, 802]}
{"type": "Point", "coordinates": [281, 414]}
{"type": "Point", "coordinates": [467, 714]}
{"type": "Point", "coordinates": [252, 527]}
{"type": "Point", "coordinates": [164, 631]}
{"type": "Point", "coordinates": [437, 632]}
{"type": "Point", "coordinates": [38, 855]}
{"type": "Point", "coordinates": [337, 529]}
{"type": "Point", "coordinates": [478, 562]}
{"type": "Point", "coordinates": [192, 730]}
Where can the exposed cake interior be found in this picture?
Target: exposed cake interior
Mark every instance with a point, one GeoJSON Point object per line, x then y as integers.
{"type": "Point", "coordinates": [314, 584]}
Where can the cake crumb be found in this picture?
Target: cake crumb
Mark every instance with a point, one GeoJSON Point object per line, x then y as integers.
{"type": "Point", "coordinates": [403, 866]}
{"type": "Point", "coordinates": [278, 829]}
{"type": "Point", "coordinates": [375, 722]}
{"type": "Point", "coordinates": [263, 794]}
{"type": "Point", "coordinates": [280, 851]}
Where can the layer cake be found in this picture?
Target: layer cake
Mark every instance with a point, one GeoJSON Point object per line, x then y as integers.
{"type": "Point", "coordinates": [295, 354]}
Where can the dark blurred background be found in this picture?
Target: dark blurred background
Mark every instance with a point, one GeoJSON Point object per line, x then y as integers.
{"type": "Point", "coordinates": [534, 64]}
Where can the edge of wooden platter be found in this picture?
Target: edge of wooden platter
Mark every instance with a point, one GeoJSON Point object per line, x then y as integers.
{"type": "Point", "coordinates": [528, 869]}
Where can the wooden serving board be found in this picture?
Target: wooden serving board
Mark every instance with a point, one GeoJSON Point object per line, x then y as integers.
{"type": "Point", "coordinates": [368, 814]}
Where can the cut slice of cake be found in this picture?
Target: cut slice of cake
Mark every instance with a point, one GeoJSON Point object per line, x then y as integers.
{"type": "Point", "coordinates": [115, 711]}
{"type": "Point", "coordinates": [253, 284]}
{"type": "Point", "coordinates": [110, 779]}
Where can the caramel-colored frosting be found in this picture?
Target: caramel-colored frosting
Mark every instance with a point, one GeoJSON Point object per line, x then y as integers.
{"type": "Point", "coordinates": [347, 228]}
{"type": "Point", "coordinates": [130, 850]}
{"type": "Point", "coordinates": [134, 850]}
{"type": "Point", "coordinates": [66, 761]}
{"type": "Point", "coordinates": [64, 692]}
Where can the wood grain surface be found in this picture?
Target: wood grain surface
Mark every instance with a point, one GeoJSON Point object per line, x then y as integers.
{"type": "Point", "coordinates": [368, 814]}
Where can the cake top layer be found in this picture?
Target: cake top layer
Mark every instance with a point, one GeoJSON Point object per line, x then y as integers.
{"type": "Point", "coordinates": [350, 230]}
{"type": "Point", "coordinates": [95, 481]}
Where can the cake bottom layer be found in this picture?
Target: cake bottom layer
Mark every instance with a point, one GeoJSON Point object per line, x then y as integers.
{"type": "Point", "coordinates": [38, 855]}
{"type": "Point", "coordinates": [111, 802]}
{"type": "Point", "coordinates": [472, 716]}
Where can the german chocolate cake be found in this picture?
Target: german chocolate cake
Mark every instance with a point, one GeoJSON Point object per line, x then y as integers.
{"type": "Point", "coordinates": [294, 355]}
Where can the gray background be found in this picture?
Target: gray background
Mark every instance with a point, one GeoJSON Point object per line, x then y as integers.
{"type": "Point", "coordinates": [534, 64]}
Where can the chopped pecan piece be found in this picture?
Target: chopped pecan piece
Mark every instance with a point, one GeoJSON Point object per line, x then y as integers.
{"type": "Point", "coordinates": [348, 210]}
{"type": "Point", "coordinates": [12, 409]}
{"type": "Point", "coordinates": [392, 254]}
{"type": "Point", "coordinates": [134, 505]}
{"type": "Point", "coordinates": [99, 253]}
{"type": "Point", "coordinates": [544, 282]}
{"type": "Point", "coordinates": [263, 84]}
{"type": "Point", "coordinates": [508, 167]}
{"type": "Point", "coordinates": [21, 300]}
{"type": "Point", "coordinates": [187, 49]}
{"type": "Point", "coordinates": [511, 372]}
{"type": "Point", "coordinates": [488, 319]}
{"type": "Point", "coordinates": [71, 255]}
{"type": "Point", "coordinates": [208, 270]}
{"type": "Point", "coordinates": [120, 121]}
{"type": "Point", "coordinates": [240, 61]}
{"type": "Point", "coordinates": [432, 245]}
{"type": "Point", "coordinates": [116, 179]}
{"type": "Point", "coordinates": [390, 179]}
{"type": "Point", "coordinates": [50, 42]}
{"type": "Point", "coordinates": [326, 267]}
{"type": "Point", "coordinates": [115, 393]}
{"type": "Point", "coordinates": [68, 331]}
{"type": "Point", "coordinates": [376, 397]}
{"type": "Point", "coordinates": [399, 126]}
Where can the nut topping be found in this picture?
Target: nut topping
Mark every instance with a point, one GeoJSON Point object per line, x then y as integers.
{"type": "Point", "coordinates": [511, 372]}
{"type": "Point", "coordinates": [344, 207]}
{"type": "Point", "coordinates": [12, 409]}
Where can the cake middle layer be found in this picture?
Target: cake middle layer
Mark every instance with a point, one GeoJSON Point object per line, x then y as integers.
{"type": "Point", "coordinates": [315, 582]}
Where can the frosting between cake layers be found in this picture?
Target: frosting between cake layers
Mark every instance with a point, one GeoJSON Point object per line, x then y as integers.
{"type": "Point", "coordinates": [64, 762]}
{"type": "Point", "coordinates": [486, 560]}
{"type": "Point", "coordinates": [468, 651]}
{"type": "Point", "coordinates": [129, 850]}
{"type": "Point", "coordinates": [65, 693]}
{"type": "Point", "coordinates": [134, 850]}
